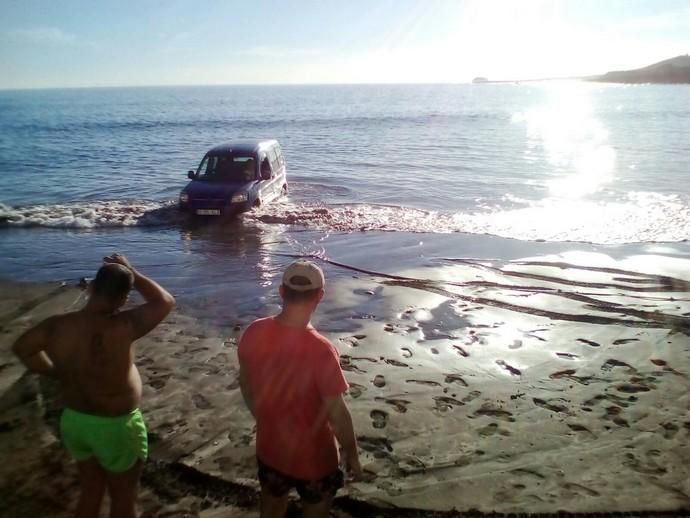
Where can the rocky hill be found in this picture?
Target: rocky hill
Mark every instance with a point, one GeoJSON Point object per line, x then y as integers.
{"type": "Point", "coordinates": [674, 70]}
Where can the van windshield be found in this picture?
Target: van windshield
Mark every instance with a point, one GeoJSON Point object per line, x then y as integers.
{"type": "Point", "coordinates": [227, 168]}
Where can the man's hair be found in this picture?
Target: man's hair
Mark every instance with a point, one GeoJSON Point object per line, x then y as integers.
{"type": "Point", "coordinates": [113, 281]}
{"type": "Point", "coordinates": [291, 295]}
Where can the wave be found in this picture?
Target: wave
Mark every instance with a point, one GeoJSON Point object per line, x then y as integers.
{"type": "Point", "coordinates": [93, 214]}
{"type": "Point", "coordinates": [641, 217]}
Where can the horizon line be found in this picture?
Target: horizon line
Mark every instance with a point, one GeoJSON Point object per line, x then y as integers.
{"type": "Point", "coordinates": [188, 85]}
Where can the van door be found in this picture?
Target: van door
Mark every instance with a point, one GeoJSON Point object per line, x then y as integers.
{"type": "Point", "coordinates": [282, 172]}
{"type": "Point", "coordinates": [274, 184]}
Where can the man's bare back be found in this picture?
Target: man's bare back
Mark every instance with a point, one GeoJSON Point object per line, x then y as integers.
{"type": "Point", "coordinates": [90, 353]}
{"type": "Point", "coordinates": [93, 357]}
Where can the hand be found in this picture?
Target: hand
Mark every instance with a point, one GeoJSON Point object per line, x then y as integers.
{"type": "Point", "coordinates": [354, 470]}
{"type": "Point", "coordinates": [118, 259]}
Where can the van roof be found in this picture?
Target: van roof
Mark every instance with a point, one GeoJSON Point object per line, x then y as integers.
{"type": "Point", "coordinates": [241, 146]}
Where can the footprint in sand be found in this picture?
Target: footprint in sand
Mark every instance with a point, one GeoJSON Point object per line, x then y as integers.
{"type": "Point", "coordinates": [548, 405]}
{"type": "Point", "coordinates": [379, 447]}
{"type": "Point", "coordinates": [365, 358]}
{"type": "Point", "coordinates": [201, 402]}
{"type": "Point", "coordinates": [379, 418]}
{"type": "Point", "coordinates": [400, 405]}
{"type": "Point", "coordinates": [425, 382]}
{"type": "Point", "coordinates": [347, 365]}
{"type": "Point", "coordinates": [196, 350]}
{"type": "Point", "coordinates": [570, 374]}
{"type": "Point", "coordinates": [489, 430]}
{"type": "Point", "coordinates": [397, 329]}
{"type": "Point", "coordinates": [650, 467]}
{"type": "Point", "coordinates": [379, 381]}
{"type": "Point", "coordinates": [235, 384]}
{"type": "Point", "coordinates": [611, 363]}
{"type": "Point", "coordinates": [352, 341]}
{"type": "Point", "coordinates": [434, 350]}
{"type": "Point", "coordinates": [512, 370]}
{"type": "Point", "coordinates": [445, 403]}
{"type": "Point", "coordinates": [621, 341]}
{"type": "Point", "coordinates": [670, 430]}
{"type": "Point", "coordinates": [580, 490]}
{"type": "Point", "coordinates": [588, 342]}
{"type": "Point", "coordinates": [158, 382]}
{"type": "Point", "coordinates": [389, 487]}
{"type": "Point", "coordinates": [613, 413]}
{"type": "Point", "coordinates": [632, 389]}
{"type": "Point", "coordinates": [579, 428]}
{"type": "Point", "coordinates": [492, 429]}
{"type": "Point", "coordinates": [498, 413]}
{"type": "Point", "coordinates": [462, 352]}
{"type": "Point", "coordinates": [567, 356]}
{"type": "Point", "coordinates": [529, 472]}
{"type": "Point", "coordinates": [471, 396]}
{"type": "Point", "coordinates": [455, 378]}
{"type": "Point", "coordinates": [407, 353]}
{"type": "Point", "coordinates": [396, 363]}
{"type": "Point", "coordinates": [204, 368]}
{"type": "Point", "coordinates": [356, 390]}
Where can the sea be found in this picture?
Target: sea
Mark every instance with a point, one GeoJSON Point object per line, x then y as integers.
{"type": "Point", "coordinates": [381, 177]}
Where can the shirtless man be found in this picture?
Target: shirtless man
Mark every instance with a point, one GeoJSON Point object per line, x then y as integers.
{"type": "Point", "coordinates": [90, 353]}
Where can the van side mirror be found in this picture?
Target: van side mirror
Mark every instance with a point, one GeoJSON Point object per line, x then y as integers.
{"type": "Point", "coordinates": [191, 175]}
{"type": "Point", "coordinates": [265, 170]}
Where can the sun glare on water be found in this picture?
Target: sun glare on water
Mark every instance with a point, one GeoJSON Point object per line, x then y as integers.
{"type": "Point", "coordinates": [573, 140]}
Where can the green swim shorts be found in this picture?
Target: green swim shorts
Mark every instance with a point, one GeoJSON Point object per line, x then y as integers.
{"type": "Point", "coordinates": [116, 442]}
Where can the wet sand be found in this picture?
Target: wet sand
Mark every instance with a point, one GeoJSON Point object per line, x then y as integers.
{"type": "Point", "coordinates": [557, 383]}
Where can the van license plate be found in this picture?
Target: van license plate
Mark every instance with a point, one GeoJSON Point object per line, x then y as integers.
{"type": "Point", "coordinates": [208, 212]}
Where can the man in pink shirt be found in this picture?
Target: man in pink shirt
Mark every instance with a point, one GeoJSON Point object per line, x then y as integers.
{"type": "Point", "coordinates": [291, 380]}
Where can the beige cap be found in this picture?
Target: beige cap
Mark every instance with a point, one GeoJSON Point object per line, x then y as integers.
{"type": "Point", "coordinates": [303, 275]}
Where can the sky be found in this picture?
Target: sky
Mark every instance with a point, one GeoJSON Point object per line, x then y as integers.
{"type": "Point", "coordinates": [83, 43]}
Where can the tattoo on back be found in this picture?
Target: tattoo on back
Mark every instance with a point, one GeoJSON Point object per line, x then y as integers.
{"type": "Point", "coordinates": [96, 344]}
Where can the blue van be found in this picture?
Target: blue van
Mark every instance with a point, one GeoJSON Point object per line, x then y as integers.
{"type": "Point", "coordinates": [235, 177]}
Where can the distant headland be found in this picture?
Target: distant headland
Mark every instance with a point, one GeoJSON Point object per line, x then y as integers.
{"type": "Point", "coordinates": [670, 71]}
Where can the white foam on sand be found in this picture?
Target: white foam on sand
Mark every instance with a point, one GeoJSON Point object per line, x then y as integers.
{"type": "Point", "coordinates": [91, 214]}
{"type": "Point", "coordinates": [640, 217]}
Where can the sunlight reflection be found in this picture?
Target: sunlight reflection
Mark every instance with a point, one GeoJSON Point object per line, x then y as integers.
{"type": "Point", "coordinates": [266, 267]}
{"type": "Point", "coordinates": [572, 139]}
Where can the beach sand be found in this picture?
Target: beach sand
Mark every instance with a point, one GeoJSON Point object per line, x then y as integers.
{"type": "Point", "coordinates": [557, 383]}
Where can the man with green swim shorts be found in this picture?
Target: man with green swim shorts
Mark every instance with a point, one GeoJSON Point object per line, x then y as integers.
{"type": "Point", "coordinates": [90, 353]}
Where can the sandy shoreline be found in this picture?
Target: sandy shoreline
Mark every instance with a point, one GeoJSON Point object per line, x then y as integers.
{"type": "Point", "coordinates": [552, 384]}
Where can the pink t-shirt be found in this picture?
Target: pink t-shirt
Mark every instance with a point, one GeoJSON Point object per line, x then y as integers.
{"type": "Point", "coordinates": [290, 372]}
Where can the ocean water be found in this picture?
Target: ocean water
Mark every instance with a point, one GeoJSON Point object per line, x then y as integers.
{"type": "Point", "coordinates": [385, 176]}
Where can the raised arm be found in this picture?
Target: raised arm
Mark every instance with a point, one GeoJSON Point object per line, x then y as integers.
{"type": "Point", "coordinates": [158, 301]}
{"type": "Point", "coordinates": [341, 423]}
{"type": "Point", "coordinates": [30, 347]}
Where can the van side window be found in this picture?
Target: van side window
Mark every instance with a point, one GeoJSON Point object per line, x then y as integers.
{"type": "Point", "coordinates": [279, 152]}
{"type": "Point", "coordinates": [275, 164]}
